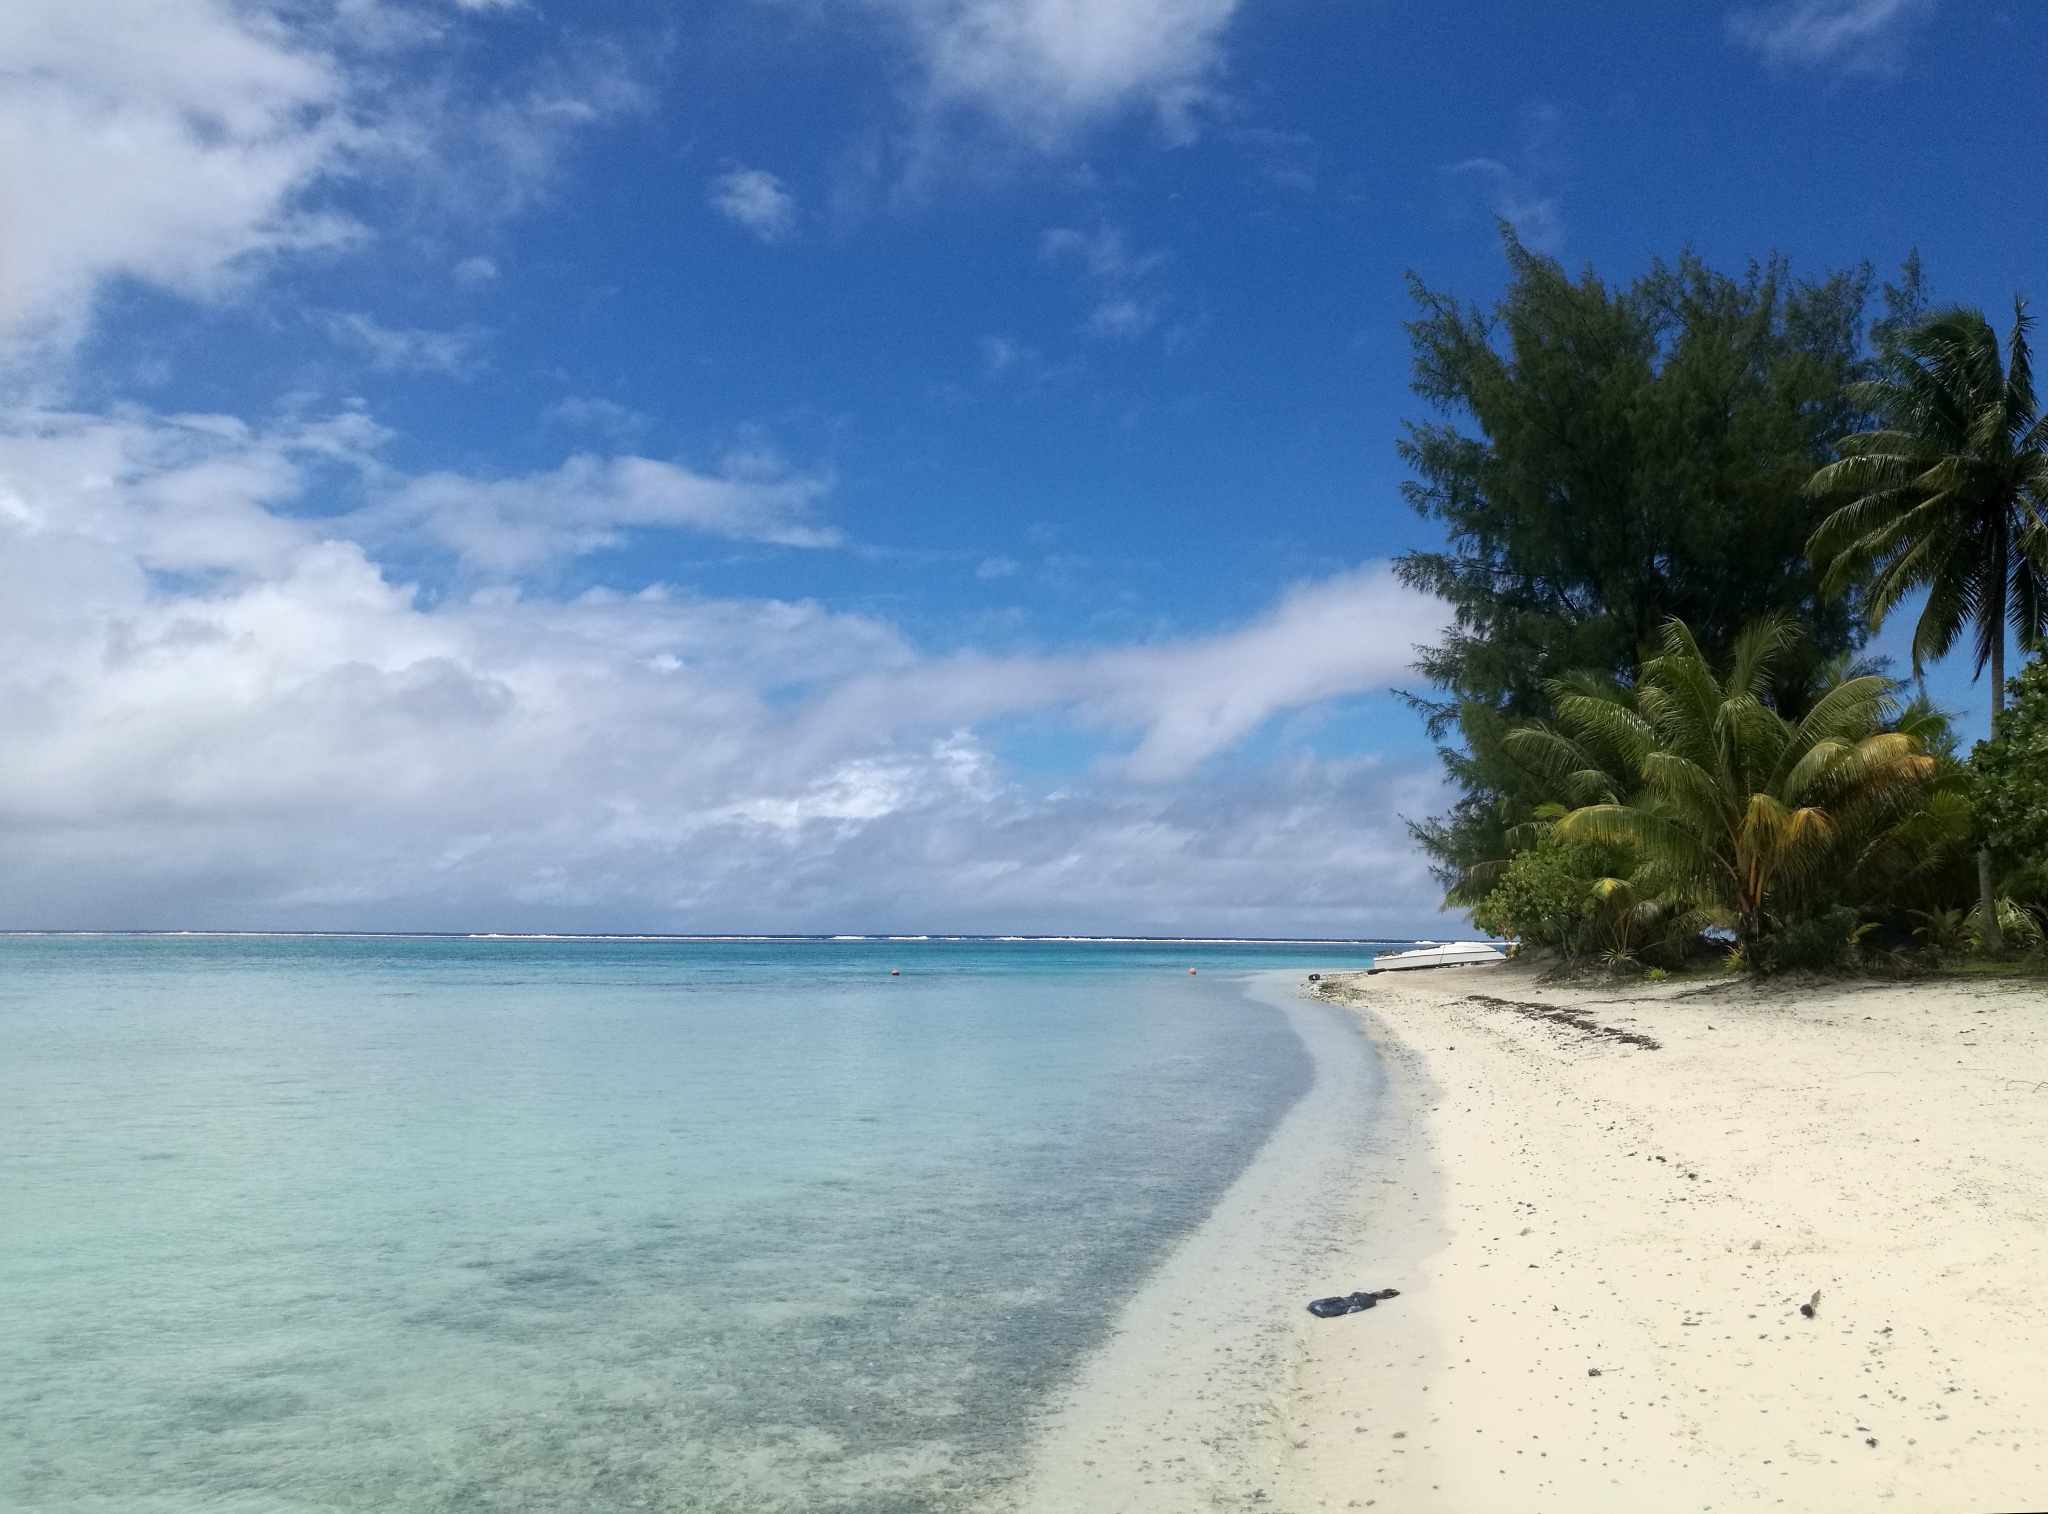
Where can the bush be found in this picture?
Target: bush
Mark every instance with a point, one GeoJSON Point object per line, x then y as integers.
{"type": "Point", "coordinates": [2011, 774]}
{"type": "Point", "coordinates": [1818, 943]}
{"type": "Point", "coordinates": [1544, 897]}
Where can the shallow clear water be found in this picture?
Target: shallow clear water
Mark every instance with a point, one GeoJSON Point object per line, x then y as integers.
{"type": "Point", "coordinates": [401, 1224]}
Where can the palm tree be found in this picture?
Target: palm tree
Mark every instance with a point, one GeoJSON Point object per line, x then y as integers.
{"type": "Point", "coordinates": [1730, 801]}
{"type": "Point", "coordinates": [1948, 496]}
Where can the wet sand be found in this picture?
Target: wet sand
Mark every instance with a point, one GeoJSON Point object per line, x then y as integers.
{"type": "Point", "coordinates": [1181, 1408]}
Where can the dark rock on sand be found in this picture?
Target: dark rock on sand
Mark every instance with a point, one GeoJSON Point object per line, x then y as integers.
{"type": "Point", "coordinates": [1350, 1303]}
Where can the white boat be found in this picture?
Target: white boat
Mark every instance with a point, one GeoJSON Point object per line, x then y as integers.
{"type": "Point", "coordinates": [1438, 954]}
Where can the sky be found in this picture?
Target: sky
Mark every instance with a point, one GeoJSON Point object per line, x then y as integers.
{"type": "Point", "coordinates": [827, 465]}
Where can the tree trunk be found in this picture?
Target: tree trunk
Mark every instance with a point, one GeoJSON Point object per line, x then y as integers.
{"type": "Point", "coordinates": [1987, 896]}
{"type": "Point", "coordinates": [1749, 934]}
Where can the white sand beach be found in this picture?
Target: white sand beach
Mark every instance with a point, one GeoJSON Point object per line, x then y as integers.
{"type": "Point", "coordinates": [1602, 1248]}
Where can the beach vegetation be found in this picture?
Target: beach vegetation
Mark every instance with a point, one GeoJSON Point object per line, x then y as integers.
{"type": "Point", "coordinates": [1542, 896]}
{"type": "Point", "coordinates": [2009, 790]}
{"type": "Point", "coordinates": [1580, 901]}
{"type": "Point", "coordinates": [1607, 458]}
{"type": "Point", "coordinates": [1945, 497]}
{"type": "Point", "coordinates": [1674, 512]}
{"type": "Point", "coordinates": [1750, 815]}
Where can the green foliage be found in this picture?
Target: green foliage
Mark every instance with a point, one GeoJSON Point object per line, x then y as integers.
{"type": "Point", "coordinates": [2011, 773]}
{"type": "Point", "coordinates": [1543, 896]}
{"type": "Point", "coordinates": [2018, 926]}
{"type": "Point", "coordinates": [1942, 930]}
{"type": "Point", "coordinates": [1551, 894]}
{"type": "Point", "coordinates": [1633, 454]}
{"type": "Point", "coordinates": [1740, 810]}
{"type": "Point", "coordinates": [1816, 943]}
{"type": "Point", "coordinates": [1581, 900]}
{"type": "Point", "coordinates": [1922, 862]}
{"type": "Point", "coordinates": [1949, 495]}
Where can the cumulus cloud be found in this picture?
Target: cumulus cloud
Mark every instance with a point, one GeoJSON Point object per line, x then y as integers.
{"type": "Point", "coordinates": [1188, 699]}
{"type": "Point", "coordinates": [757, 200]}
{"type": "Point", "coordinates": [224, 707]}
{"type": "Point", "coordinates": [218, 711]}
{"type": "Point", "coordinates": [158, 140]}
{"type": "Point", "coordinates": [1857, 35]}
{"type": "Point", "coordinates": [1043, 68]}
{"type": "Point", "coordinates": [182, 144]}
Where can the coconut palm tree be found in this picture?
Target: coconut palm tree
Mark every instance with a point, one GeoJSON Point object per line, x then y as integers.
{"type": "Point", "coordinates": [1949, 495]}
{"type": "Point", "coordinates": [1722, 795]}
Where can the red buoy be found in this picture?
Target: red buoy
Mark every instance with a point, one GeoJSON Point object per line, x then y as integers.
{"type": "Point", "coordinates": [1191, 972]}
{"type": "Point", "coordinates": [895, 972]}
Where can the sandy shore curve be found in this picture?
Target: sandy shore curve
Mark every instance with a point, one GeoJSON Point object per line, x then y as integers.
{"type": "Point", "coordinates": [1604, 1208]}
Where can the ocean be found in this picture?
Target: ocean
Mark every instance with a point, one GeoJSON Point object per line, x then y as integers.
{"type": "Point", "coordinates": [433, 1224]}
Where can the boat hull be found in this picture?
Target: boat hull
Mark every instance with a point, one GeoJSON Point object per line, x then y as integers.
{"type": "Point", "coordinates": [1452, 954]}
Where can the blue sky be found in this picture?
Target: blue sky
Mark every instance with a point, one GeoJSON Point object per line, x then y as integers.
{"type": "Point", "coordinates": [826, 464]}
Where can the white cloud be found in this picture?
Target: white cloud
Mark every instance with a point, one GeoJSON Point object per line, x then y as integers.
{"type": "Point", "coordinates": [1042, 68]}
{"type": "Point", "coordinates": [757, 200]}
{"type": "Point", "coordinates": [188, 495]}
{"type": "Point", "coordinates": [1128, 300]}
{"type": "Point", "coordinates": [183, 144]}
{"type": "Point", "coordinates": [511, 525]}
{"type": "Point", "coordinates": [219, 708]}
{"type": "Point", "coordinates": [1508, 195]}
{"type": "Point", "coordinates": [1516, 191]}
{"type": "Point", "coordinates": [159, 140]}
{"type": "Point", "coordinates": [1190, 699]}
{"type": "Point", "coordinates": [405, 351]}
{"type": "Point", "coordinates": [218, 712]}
{"type": "Point", "coordinates": [606, 417]}
{"type": "Point", "coordinates": [1858, 35]}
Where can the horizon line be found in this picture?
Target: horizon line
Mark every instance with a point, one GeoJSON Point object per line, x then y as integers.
{"type": "Point", "coordinates": [727, 936]}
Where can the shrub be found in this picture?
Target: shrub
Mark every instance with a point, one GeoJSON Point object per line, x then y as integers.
{"type": "Point", "coordinates": [2011, 774]}
{"type": "Point", "coordinates": [1544, 896]}
{"type": "Point", "coordinates": [1818, 943]}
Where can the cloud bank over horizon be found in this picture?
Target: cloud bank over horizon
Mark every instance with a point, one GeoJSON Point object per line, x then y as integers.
{"type": "Point", "coordinates": [259, 676]}
{"type": "Point", "coordinates": [219, 714]}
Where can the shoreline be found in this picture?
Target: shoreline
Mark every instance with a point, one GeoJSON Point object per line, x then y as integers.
{"type": "Point", "coordinates": [1183, 1405]}
{"type": "Point", "coordinates": [1603, 1206]}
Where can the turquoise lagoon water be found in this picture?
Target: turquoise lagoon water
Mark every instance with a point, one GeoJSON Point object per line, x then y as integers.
{"type": "Point", "coordinates": [424, 1224]}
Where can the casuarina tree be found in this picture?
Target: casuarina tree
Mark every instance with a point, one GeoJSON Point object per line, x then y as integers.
{"type": "Point", "coordinates": [1607, 456]}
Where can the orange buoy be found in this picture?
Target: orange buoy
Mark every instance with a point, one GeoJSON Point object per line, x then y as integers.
{"type": "Point", "coordinates": [895, 972]}
{"type": "Point", "coordinates": [1191, 972]}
